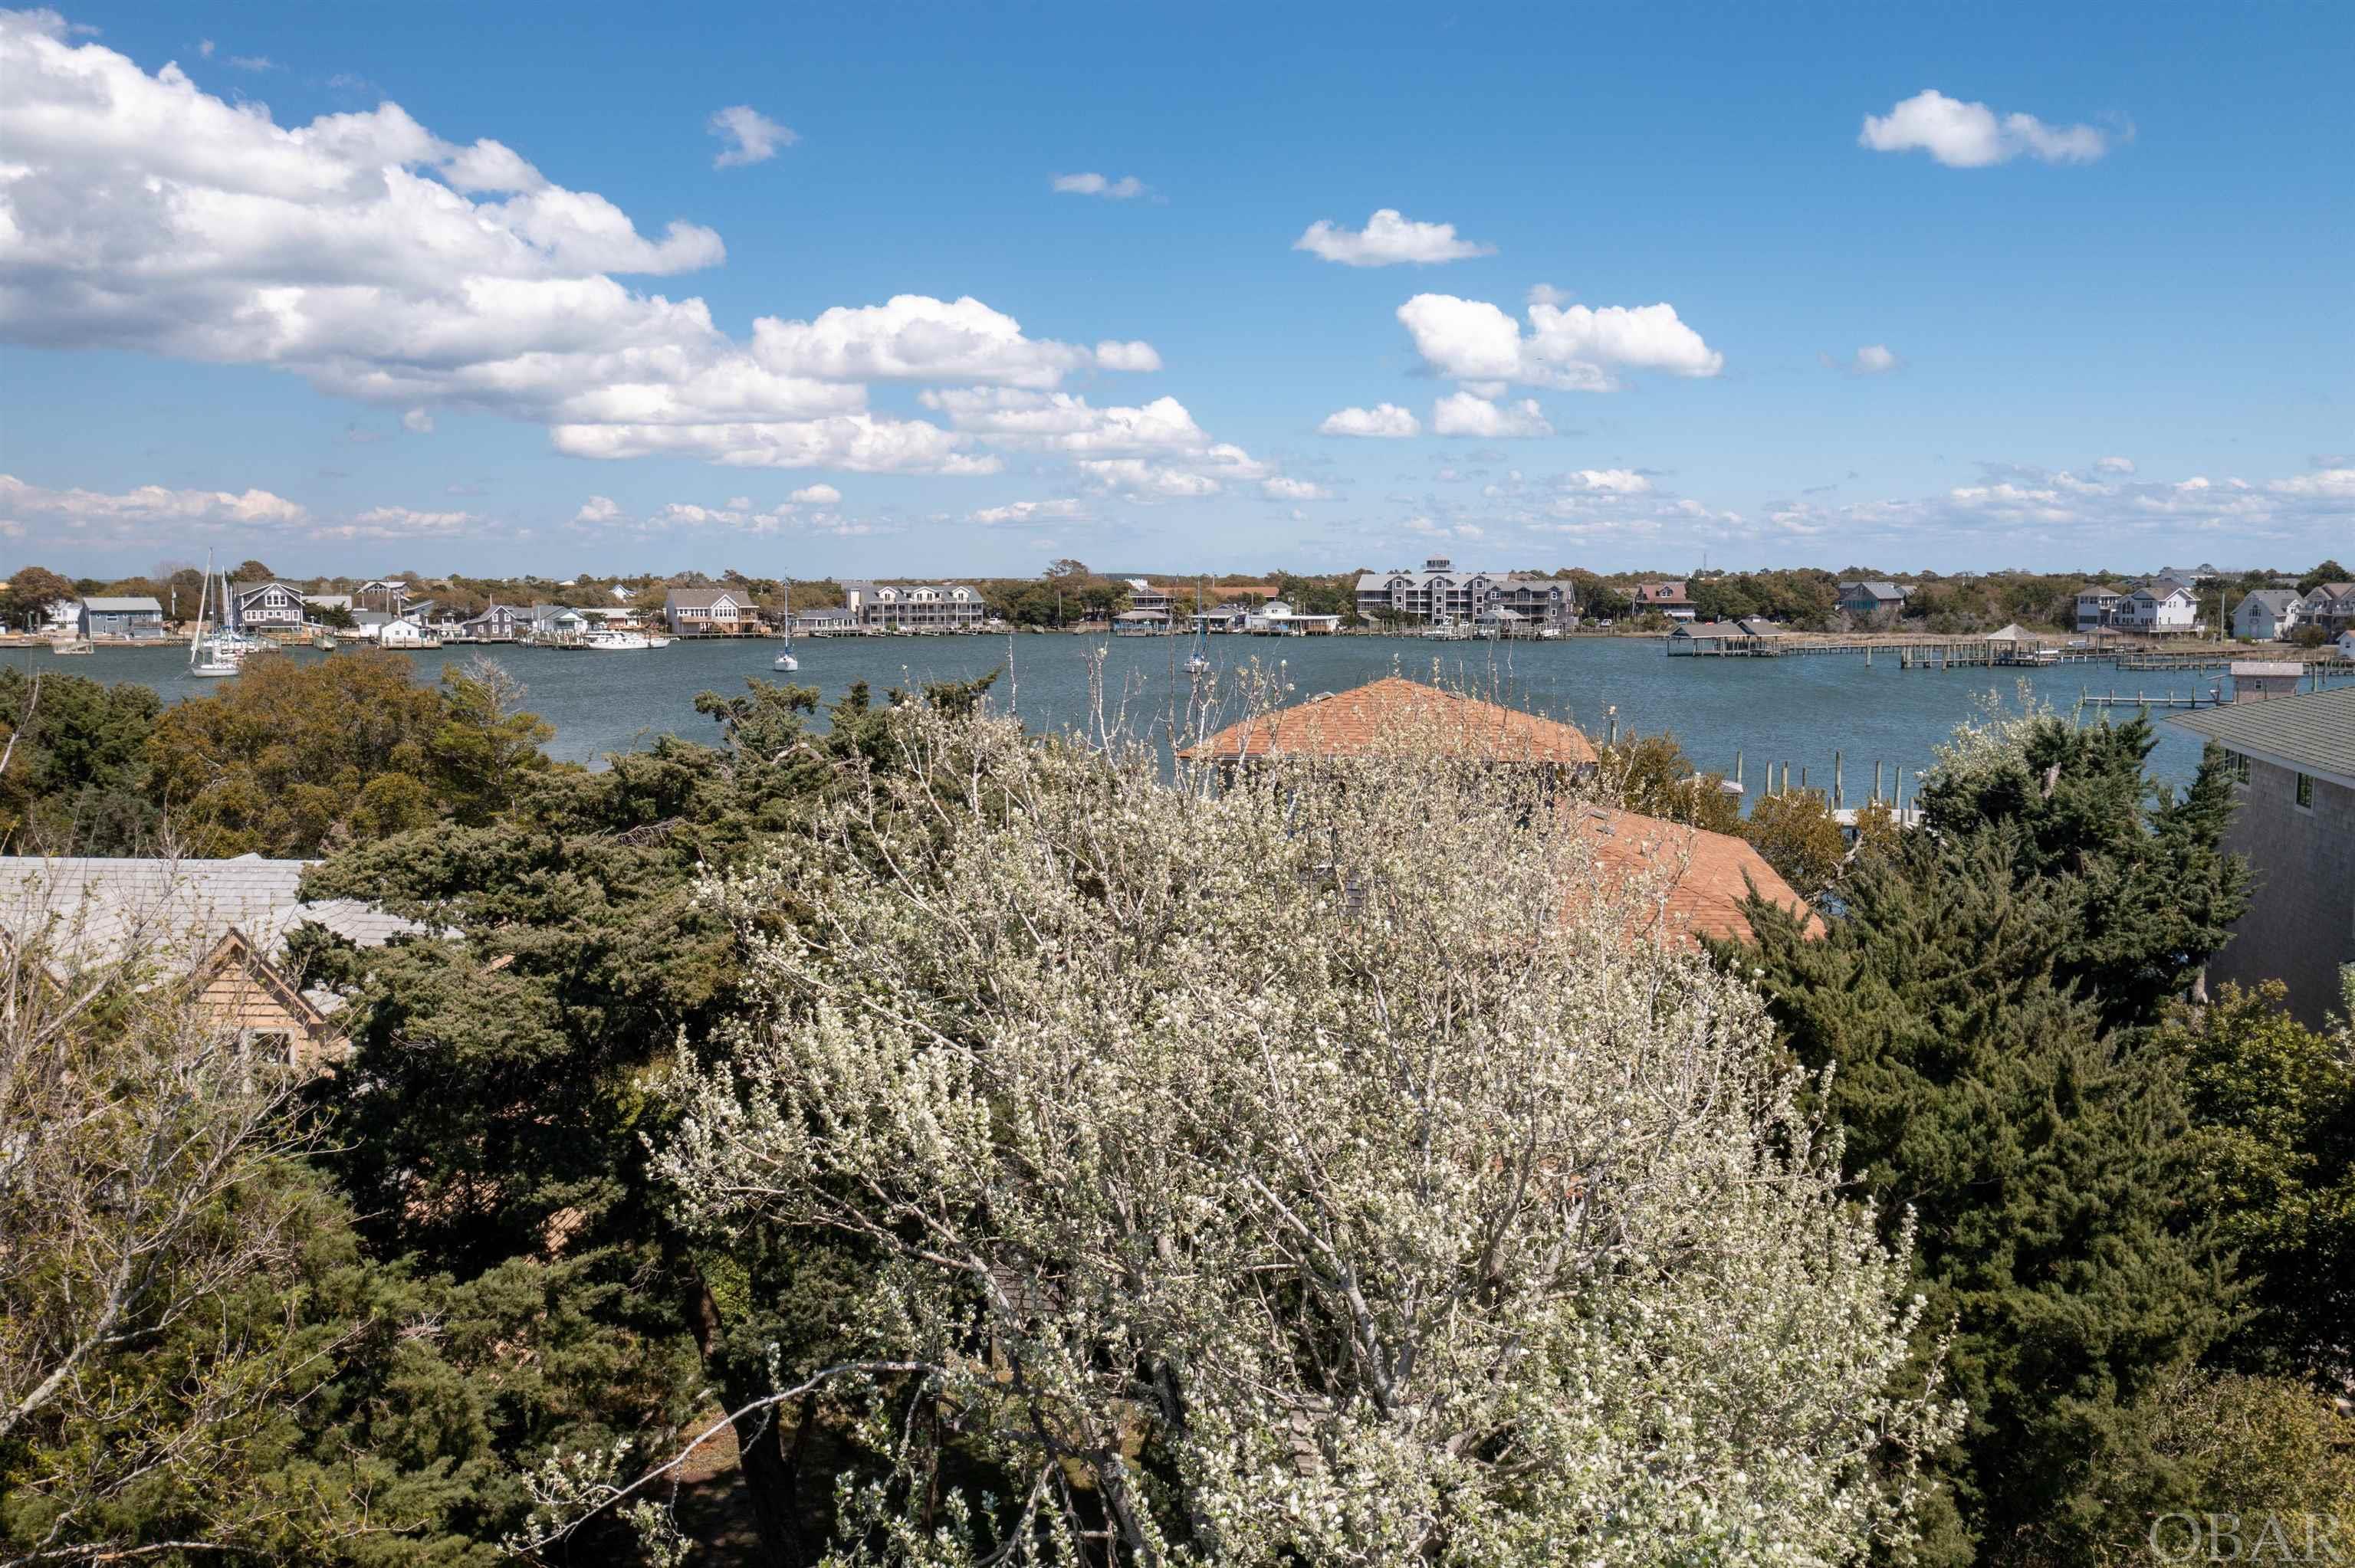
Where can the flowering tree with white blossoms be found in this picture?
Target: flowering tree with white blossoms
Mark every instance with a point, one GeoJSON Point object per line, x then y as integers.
{"type": "Point", "coordinates": [1321, 1163]}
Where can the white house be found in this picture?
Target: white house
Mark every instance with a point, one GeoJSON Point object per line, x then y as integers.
{"type": "Point", "coordinates": [2267, 615]}
{"type": "Point", "coordinates": [402, 633]}
{"type": "Point", "coordinates": [2160, 607]}
{"type": "Point", "coordinates": [62, 618]}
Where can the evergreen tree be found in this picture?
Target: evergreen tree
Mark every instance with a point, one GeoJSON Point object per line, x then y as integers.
{"type": "Point", "coordinates": [1983, 1007]}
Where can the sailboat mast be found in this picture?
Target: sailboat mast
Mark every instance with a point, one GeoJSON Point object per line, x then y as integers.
{"type": "Point", "coordinates": [196, 635]}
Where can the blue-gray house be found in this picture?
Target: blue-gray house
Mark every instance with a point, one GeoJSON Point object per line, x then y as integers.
{"type": "Point", "coordinates": [105, 617]}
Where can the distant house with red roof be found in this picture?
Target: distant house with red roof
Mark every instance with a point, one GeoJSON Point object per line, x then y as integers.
{"type": "Point", "coordinates": [1664, 599]}
{"type": "Point", "coordinates": [1695, 881]}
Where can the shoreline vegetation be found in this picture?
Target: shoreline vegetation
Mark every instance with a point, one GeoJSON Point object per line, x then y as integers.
{"type": "Point", "coordinates": [945, 1144]}
{"type": "Point", "coordinates": [1070, 594]}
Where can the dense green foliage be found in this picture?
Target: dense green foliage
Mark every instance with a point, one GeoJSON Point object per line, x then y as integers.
{"type": "Point", "coordinates": [1986, 1007]}
{"type": "Point", "coordinates": [75, 780]}
{"type": "Point", "coordinates": [2275, 1102]}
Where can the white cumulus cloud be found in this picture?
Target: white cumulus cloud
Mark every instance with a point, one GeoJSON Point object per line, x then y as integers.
{"type": "Point", "coordinates": [1872, 359]}
{"type": "Point", "coordinates": [815, 495]}
{"type": "Point", "coordinates": [1278, 488]}
{"type": "Point", "coordinates": [1382, 421]}
{"type": "Point", "coordinates": [149, 512]}
{"type": "Point", "coordinates": [1570, 346]}
{"type": "Point", "coordinates": [418, 421]}
{"type": "Point", "coordinates": [1021, 512]}
{"type": "Point", "coordinates": [384, 264]}
{"type": "Point", "coordinates": [1972, 136]}
{"type": "Point", "coordinates": [2113, 465]}
{"type": "Point", "coordinates": [1115, 356]}
{"type": "Point", "coordinates": [751, 137]}
{"type": "Point", "coordinates": [1462, 414]}
{"type": "Point", "coordinates": [1096, 184]}
{"type": "Point", "coordinates": [1388, 239]}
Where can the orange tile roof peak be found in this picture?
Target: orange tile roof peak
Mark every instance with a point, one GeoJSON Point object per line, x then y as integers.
{"type": "Point", "coordinates": [1709, 874]}
{"type": "Point", "coordinates": [1394, 715]}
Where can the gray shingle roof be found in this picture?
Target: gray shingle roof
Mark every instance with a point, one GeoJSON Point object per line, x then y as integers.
{"type": "Point", "coordinates": [105, 909]}
{"type": "Point", "coordinates": [2314, 733]}
{"type": "Point", "coordinates": [117, 604]}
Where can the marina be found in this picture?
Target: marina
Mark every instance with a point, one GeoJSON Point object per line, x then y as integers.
{"type": "Point", "coordinates": [1797, 710]}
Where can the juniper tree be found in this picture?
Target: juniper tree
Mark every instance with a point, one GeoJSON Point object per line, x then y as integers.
{"type": "Point", "coordinates": [1983, 1003]}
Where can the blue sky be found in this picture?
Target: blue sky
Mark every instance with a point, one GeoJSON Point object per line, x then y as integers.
{"type": "Point", "coordinates": [364, 287]}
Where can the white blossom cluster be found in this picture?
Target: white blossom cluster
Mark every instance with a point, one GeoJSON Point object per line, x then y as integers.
{"type": "Point", "coordinates": [1305, 1166]}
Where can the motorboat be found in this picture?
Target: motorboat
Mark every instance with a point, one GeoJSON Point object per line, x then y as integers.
{"type": "Point", "coordinates": [657, 642]}
{"type": "Point", "coordinates": [612, 641]}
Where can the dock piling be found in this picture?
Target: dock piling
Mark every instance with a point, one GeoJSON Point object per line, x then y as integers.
{"type": "Point", "coordinates": [1837, 802]}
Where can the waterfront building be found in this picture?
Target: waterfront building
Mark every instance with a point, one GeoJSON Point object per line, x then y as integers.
{"type": "Point", "coordinates": [221, 925]}
{"type": "Point", "coordinates": [1698, 881]}
{"type": "Point", "coordinates": [136, 615]}
{"type": "Point", "coordinates": [709, 612]}
{"type": "Point", "coordinates": [1869, 598]}
{"type": "Point", "coordinates": [1223, 618]}
{"type": "Point", "coordinates": [1140, 623]}
{"type": "Point", "coordinates": [317, 601]}
{"type": "Point", "coordinates": [2267, 615]}
{"type": "Point", "coordinates": [915, 607]}
{"type": "Point", "coordinates": [407, 631]}
{"type": "Point", "coordinates": [554, 620]}
{"type": "Point", "coordinates": [2160, 607]}
{"type": "Point", "coordinates": [1672, 600]}
{"type": "Point", "coordinates": [2332, 605]}
{"type": "Point", "coordinates": [497, 623]}
{"type": "Point", "coordinates": [833, 622]}
{"type": "Point", "coordinates": [2097, 606]}
{"type": "Point", "coordinates": [60, 618]}
{"type": "Point", "coordinates": [1144, 595]}
{"type": "Point", "coordinates": [2255, 680]}
{"type": "Point", "coordinates": [1441, 595]}
{"type": "Point", "coordinates": [1278, 618]}
{"type": "Point", "coordinates": [265, 607]}
{"type": "Point", "coordinates": [1756, 638]}
{"type": "Point", "coordinates": [2294, 770]}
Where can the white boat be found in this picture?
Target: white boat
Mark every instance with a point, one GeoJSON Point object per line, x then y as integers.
{"type": "Point", "coordinates": [1198, 662]}
{"type": "Point", "coordinates": [785, 661]}
{"type": "Point", "coordinates": [616, 642]}
{"type": "Point", "coordinates": [211, 660]}
{"type": "Point", "coordinates": [657, 642]}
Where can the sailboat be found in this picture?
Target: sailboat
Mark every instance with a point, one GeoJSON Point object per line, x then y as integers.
{"type": "Point", "coordinates": [202, 660]}
{"type": "Point", "coordinates": [785, 661]}
{"type": "Point", "coordinates": [1199, 661]}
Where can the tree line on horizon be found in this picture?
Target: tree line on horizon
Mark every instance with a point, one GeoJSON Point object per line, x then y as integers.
{"type": "Point", "coordinates": [1068, 591]}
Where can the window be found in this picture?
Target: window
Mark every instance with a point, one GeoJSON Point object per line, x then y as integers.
{"type": "Point", "coordinates": [2239, 768]}
{"type": "Point", "coordinates": [2306, 791]}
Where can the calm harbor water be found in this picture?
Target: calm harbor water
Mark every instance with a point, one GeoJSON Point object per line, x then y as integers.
{"type": "Point", "coordinates": [1797, 710]}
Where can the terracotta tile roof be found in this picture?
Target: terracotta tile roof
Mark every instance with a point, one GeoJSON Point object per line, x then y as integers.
{"type": "Point", "coordinates": [1394, 715]}
{"type": "Point", "coordinates": [1705, 897]}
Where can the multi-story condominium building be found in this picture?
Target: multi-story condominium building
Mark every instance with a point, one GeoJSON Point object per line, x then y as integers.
{"type": "Point", "coordinates": [709, 612]}
{"type": "Point", "coordinates": [2293, 767]}
{"type": "Point", "coordinates": [915, 607]}
{"type": "Point", "coordinates": [2097, 606]}
{"type": "Point", "coordinates": [2267, 615]}
{"type": "Point", "coordinates": [1440, 593]}
{"type": "Point", "coordinates": [1144, 595]}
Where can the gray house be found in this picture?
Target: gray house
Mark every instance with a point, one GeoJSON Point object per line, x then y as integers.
{"type": "Point", "coordinates": [2268, 615]}
{"type": "Point", "coordinates": [266, 607]}
{"type": "Point", "coordinates": [139, 617]}
{"type": "Point", "coordinates": [2293, 761]}
{"type": "Point", "coordinates": [1868, 597]}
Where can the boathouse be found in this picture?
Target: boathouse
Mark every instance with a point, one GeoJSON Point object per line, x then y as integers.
{"type": "Point", "coordinates": [140, 617]}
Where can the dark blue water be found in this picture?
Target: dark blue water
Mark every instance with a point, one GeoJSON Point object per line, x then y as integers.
{"type": "Point", "coordinates": [1770, 711]}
